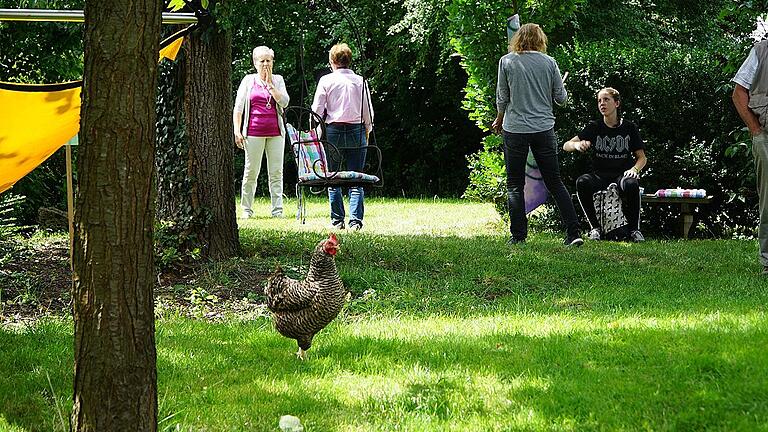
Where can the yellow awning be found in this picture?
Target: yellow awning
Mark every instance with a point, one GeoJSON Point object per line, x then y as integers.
{"type": "Point", "coordinates": [35, 125]}
{"type": "Point", "coordinates": [38, 119]}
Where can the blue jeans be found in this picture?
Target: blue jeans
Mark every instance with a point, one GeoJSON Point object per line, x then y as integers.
{"type": "Point", "coordinates": [543, 145]}
{"type": "Point", "coordinates": [351, 142]}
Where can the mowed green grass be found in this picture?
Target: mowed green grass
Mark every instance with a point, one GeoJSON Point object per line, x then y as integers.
{"type": "Point", "coordinates": [449, 329]}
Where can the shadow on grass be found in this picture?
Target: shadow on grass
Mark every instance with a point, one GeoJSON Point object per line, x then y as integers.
{"type": "Point", "coordinates": [244, 376]}
{"type": "Point", "coordinates": [424, 274]}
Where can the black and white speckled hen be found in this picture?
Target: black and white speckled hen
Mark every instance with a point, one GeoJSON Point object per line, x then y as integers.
{"type": "Point", "coordinates": [302, 308]}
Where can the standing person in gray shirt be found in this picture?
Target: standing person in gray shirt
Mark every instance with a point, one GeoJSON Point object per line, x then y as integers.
{"type": "Point", "coordinates": [529, 83]}
{"type": "Point", "coordinates": [750, 97]}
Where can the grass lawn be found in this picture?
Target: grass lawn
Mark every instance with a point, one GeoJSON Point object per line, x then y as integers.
{"type": "Point", "coordinates": [449, 329]}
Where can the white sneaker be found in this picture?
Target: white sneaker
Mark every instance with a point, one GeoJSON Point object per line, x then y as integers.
{"type": "Point", "coordinates": [246, 214]}
{"type": "Point", "coordinates": [337, 225]}
{"type": "Point", "coordinates": [636, 236]}
{"type": "Point", "coordinates": [595, 234]}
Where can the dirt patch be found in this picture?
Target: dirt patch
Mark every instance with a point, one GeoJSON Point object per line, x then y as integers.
{"type": "Point", "coordinates": [35, 281]}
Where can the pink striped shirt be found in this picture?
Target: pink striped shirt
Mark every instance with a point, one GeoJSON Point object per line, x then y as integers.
{"type": "Point", "coordinates": [340, 95]}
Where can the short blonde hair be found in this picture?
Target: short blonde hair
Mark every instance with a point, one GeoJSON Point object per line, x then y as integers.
{"type": "Point", "coordinates": [530, 37]}
{"type": "Point", "coordinates": [340, 55]}
{"type": "Point", "coordinates": [262, 51]}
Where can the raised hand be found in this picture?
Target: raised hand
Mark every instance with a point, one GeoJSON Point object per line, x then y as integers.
{"type": "Point", "coordinates": [268, 79]}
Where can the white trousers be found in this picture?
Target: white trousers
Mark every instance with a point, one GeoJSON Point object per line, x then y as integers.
{"type": "Point", "coordinates": [255, 148]}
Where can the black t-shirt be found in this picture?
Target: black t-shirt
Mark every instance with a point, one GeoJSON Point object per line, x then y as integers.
{"type": "Point", "coordinates": [612, 148]}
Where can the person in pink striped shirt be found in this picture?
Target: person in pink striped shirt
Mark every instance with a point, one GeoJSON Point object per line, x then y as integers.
{"type": "Point", "coordinates": [343, 99]}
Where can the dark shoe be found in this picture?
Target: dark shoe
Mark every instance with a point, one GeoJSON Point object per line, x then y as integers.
{"type": "Point", "coordinates": [573, 241]}
{"type": "Point", "coordinates": [337, 225]}
{"type": "Point", "coordinates": [636, 236]}
{"type": "Point", "coordinates": [595, 234]}
{"type": "Point", "coordinates": [515, 241]}
{"type": "Point", "coordinates": [355, 225]}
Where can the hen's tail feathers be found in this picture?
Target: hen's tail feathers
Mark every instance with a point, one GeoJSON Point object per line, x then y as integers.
{"type": "Point", "coordinates": [274, 286]}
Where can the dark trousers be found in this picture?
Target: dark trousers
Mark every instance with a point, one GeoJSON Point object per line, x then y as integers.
{"type": "Point", "coordinates": [543, 145]}
{"type": "Point", "coordinates": [629, 191]}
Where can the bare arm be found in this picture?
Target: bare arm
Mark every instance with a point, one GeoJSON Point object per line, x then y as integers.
{"type": "Point", "coordinates": [577, 144]}
{"type": "Point", "coordinates": [237, 122]}
{"type": "Point", "coordinates": [640, 161]}
{"type": "Point", "coordinates": [740, 99]}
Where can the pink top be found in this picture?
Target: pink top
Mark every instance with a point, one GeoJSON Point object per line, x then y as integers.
{"type": "Point", "coordinates": [340, 94]}
{"type": "Point", "coordinates": [262, 121]}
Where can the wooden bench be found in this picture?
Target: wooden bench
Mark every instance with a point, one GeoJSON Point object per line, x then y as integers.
{"type": "Point", "coordinates": [687, 206]}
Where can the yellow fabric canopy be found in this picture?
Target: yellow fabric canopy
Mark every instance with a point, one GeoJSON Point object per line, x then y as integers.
{"type": "Point", "coordinates": [38, 119]}
{"type": "Point", "coordinates": [35, 125]}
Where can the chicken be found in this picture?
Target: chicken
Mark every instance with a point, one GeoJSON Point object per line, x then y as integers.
{"type": "Point", "coordinates": [302, 308]}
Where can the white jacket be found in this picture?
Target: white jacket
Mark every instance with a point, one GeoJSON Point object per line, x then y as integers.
{"type": "Point", "coordinates": [243, 100]}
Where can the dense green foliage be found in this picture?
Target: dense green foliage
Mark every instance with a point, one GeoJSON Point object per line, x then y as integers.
{"type": "Point", "coordinates": [535, 338]}
{"type": "Point", "coordinates": [672, 61]}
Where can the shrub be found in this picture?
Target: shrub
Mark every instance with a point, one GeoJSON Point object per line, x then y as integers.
{"type": "Point", "coordinates": [487, 175]}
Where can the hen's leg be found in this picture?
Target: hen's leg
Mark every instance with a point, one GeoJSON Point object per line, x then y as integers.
{"type": "Point", "coordinates": [301, 354]}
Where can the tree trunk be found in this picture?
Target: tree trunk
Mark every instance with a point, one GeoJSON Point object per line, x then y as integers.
{"type": "Point", "coordinates": [207, 110]}
{"type": "Point", "coordinates": [115, 383]}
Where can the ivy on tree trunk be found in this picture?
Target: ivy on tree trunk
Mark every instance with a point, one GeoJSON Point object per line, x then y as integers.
{"type": "Point", "coordinates": [207, 108]}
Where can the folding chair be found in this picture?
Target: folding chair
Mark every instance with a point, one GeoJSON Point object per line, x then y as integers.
{"type": "Point", "coordinates": [305, 131]}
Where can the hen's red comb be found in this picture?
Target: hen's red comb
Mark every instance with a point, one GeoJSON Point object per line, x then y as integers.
{"type": "Point", "coordinates": [333, 238]}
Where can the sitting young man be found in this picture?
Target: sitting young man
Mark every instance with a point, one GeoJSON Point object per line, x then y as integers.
{"type": "Point", "coordinates": [619, 157]}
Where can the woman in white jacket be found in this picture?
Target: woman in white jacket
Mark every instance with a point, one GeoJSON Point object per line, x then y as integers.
{"type": "Point", "coordinates": [257, 119]}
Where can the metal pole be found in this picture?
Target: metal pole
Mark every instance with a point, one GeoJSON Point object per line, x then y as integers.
{"type": "Point", "coordinates": [50, 15]}
{"type": "Point", "coordinates": [70, 206]}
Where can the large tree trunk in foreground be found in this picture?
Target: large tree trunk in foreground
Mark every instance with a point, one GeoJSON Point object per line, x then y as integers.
{"type": "Point", "coordinates": [115, 384]}
{"type": "Point", "coordinates": [207, 110]}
